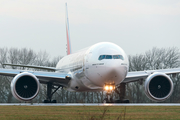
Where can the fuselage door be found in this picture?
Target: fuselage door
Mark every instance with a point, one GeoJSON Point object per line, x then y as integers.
{"type": "Point", "coordinates": [87, 62]}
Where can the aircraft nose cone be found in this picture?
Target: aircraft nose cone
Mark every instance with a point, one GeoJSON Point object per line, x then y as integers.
{"type": "Point", "coordinates": [113, 72]}
{"type": "Point", "coordinates": [108, 72]}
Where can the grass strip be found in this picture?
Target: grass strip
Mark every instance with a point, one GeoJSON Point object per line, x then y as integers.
{"type": "Point", "coordinates": [89, 112]}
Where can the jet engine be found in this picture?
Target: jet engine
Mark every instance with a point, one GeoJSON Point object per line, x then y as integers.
{"type": "Point", "coordinates": [158, 86]}
{"type": "Point", "coordinates": [25, 86]}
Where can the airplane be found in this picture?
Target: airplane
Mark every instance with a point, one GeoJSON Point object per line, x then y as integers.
{"type": "Point", "coordinates": [100, 67]}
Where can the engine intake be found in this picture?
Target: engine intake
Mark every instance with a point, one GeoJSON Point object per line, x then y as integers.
{"type": "Point", "coordinates": [158, 86]}
{"type": "Point", "coordinates": [25, 86]}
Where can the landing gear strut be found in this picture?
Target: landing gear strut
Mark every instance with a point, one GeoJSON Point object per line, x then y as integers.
{"type": "Point", "coordinates": [122, 93]}
{"type": "Point", "coordinates": [50, 93]}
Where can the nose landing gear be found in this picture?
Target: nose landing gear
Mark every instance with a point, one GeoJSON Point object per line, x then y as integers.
{"type": "Point", "coordinates": [109, 96]}
{"type": "Point", "coordinates": [109, 88]}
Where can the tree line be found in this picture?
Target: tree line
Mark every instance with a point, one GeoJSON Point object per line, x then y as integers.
{"type": "Point", "coordinates": [156, 58]}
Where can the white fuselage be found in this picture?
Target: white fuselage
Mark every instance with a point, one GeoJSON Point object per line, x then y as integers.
{"type": "Point", "coordinates": [95, 66]}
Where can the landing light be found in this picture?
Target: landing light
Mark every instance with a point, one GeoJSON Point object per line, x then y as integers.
{"type": "Point", "coordinates": [106, 87]}
{"type": "Point", "coordinates": [109, 87]}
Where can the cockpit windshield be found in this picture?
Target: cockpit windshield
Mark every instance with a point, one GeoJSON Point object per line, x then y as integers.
{"type": "Point", "coordinates": [118, 57]}
{"type": "Point", "coordinates": [108, 56]}
{"type": "Point", "coordinates": [101, 57]}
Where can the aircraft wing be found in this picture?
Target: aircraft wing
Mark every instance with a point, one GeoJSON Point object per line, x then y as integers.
{"type": "Point", "coordinates": [140, 75]}
{"type": "Point", "coordinates": [33, 66]}
{"type": "Point", "coordinates": [44, 77]}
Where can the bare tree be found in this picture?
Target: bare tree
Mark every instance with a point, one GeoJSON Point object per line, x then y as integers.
{"type": "Point", "coordinates": [26, 56]}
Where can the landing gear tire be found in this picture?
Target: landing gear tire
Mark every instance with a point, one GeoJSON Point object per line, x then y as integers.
{"type": "Point", "coordinates": [47, 101]}
{"type": "Point", "coordinates": [105, 100]}
{"type": "Point", "coordinates": [108, 101]}
{"type": "Point", "coordinates": [54, 101]}
{"type": "Point", "coordinates": [121, 101]}
{"type": "Point", "coordinates": [126, 101]}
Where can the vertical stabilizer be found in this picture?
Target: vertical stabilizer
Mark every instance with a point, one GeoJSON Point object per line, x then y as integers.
{"type": "Point", "coordinates": [68, 33]}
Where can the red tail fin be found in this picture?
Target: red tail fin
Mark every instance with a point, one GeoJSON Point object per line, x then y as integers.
{"type": "Point", "coordinates": [68, 33]}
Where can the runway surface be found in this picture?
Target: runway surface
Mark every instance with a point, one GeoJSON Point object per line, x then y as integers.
{"type": "Point", "coordinates": [87, 104]}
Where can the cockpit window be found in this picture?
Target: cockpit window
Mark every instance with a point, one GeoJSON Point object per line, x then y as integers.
{"type": "Point", "coordinates": [108, 56]}
{"type": "Point", "coordinates": [101, 57]}
{"type": "Point", "coordinates": [118, 57]}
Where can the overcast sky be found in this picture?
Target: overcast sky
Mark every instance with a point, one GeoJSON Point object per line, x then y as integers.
{"type": "Point", "coordinates": [134, 25]}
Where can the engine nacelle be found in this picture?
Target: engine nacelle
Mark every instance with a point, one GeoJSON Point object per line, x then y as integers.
{"type": "Point", "coordinates": [25, 86]}
{"type": "Point", "coordinates": [158, 86]}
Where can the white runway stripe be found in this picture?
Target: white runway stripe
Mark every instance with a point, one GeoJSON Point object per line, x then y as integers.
{"type": "Point", "coordinates": [87, 104]}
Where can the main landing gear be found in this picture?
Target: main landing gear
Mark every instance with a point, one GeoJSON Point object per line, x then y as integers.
{"type": "Point", "coordinates": [50, 93]}
{"type": "Point", "coordinates": [110, 88]}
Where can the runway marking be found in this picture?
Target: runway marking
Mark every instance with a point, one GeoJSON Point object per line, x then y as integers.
{"type": "Point", "coordinates": [86, 104]}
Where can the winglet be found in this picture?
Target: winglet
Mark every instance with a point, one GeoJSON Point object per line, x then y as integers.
{"type": "Point", "coordinates": [68, 33]}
